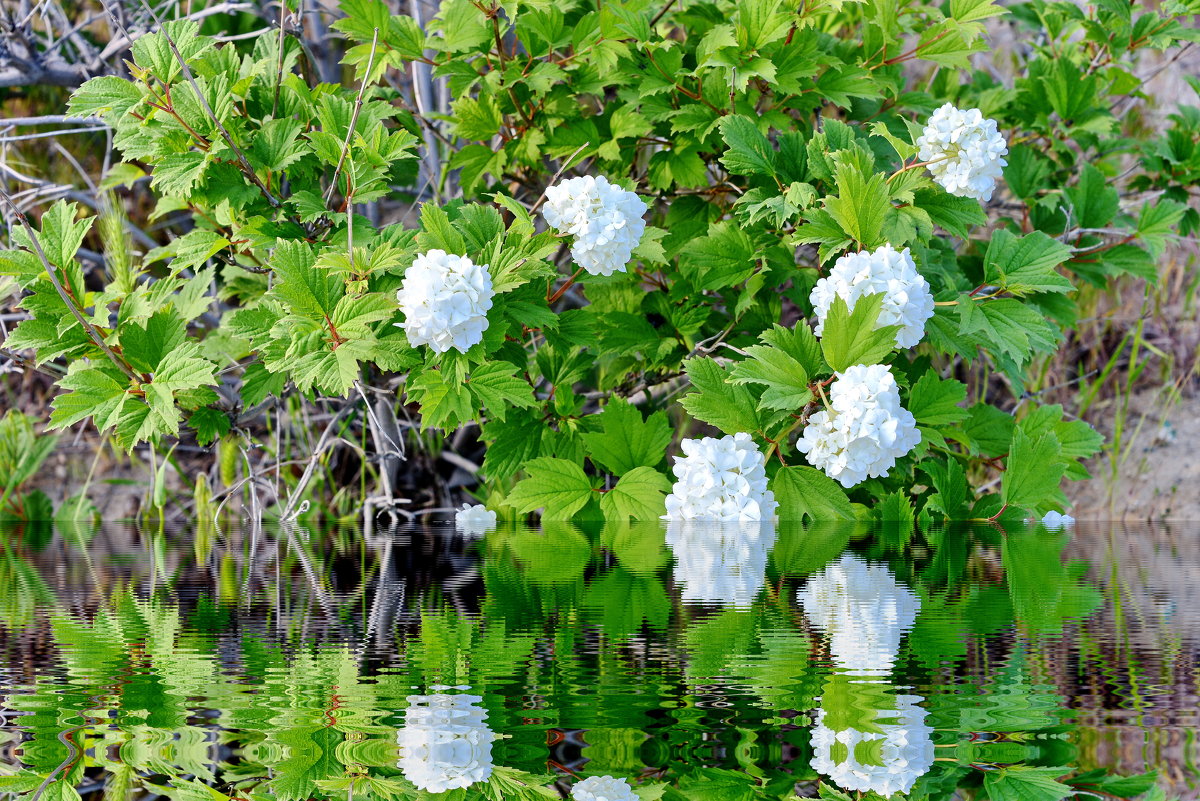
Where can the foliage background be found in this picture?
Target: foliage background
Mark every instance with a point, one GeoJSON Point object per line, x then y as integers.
{"type": "Point", "coordinates": [1130, 361]}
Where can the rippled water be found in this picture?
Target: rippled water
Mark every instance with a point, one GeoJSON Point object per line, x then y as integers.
{"type": "Point", "coordinates": [702, 663]}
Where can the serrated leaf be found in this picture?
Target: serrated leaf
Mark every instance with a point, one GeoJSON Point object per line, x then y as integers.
{"type": "Point", "coordinates": [1033, 470]}
{"type": "Point", "coordinates": [713, 400]}
{"type": "Point", "coordinates": [497, 387]}
{"type": "Point", "coordinates": [805, 492]}
{"type": "Point", "coordinates": [625, 441]}
{"type": "Point", "coordinates": [749, 151]}
{"type": "Point", "coordinates": [1026, 265]}
{"type": "Point", "coordinates": [934, 401]}
{"type": "Point", "coordinates": [557, 486]}
{"type": "Point", "coordinates": [640, 494]}
{"type": "Point", "coordinates": [851, 338]}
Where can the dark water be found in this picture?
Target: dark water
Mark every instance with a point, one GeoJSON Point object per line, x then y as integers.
{"type": "Point", "coordinates": [749, 662]}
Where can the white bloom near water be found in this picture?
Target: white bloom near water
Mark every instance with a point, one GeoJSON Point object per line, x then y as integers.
{"type": "Point", "coordinates": [603, 788]}
{"type": "Point", "coordinates": [723, 564]}
{"type": "Point", "coordinates": [445, 743]}
{"type": "Point", "coordinates": [907, 301]}
{"type": "Point", "coordinates": [474, 521]}
{"type": "Point", "coordinates": [1055, 521]}
{"type": "Point", "coordinates": [445, 300]}
{"type": "Point", "coordinates": [605, 220]}
{"type": "Point", "coordinates": [721, 480]}
{"type": "Point", "coordinates": [864, 430]}
{"type": "Point", "coordinates": [886, 762]}
{"type": "Point", "coordinates": [966, 151]}
{"type": "Point", "coordinates": [864, 610]}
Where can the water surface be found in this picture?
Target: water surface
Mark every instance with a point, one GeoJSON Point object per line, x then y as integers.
{"type": "Point", "coordinates": [727, 663]}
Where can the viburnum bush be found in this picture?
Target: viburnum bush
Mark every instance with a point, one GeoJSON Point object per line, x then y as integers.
{"type": "Point", "coordinates": [786, 225]}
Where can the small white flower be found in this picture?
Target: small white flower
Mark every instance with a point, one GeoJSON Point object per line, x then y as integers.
{"type": "Point", "coordinates": [474, 521]}
{"type": "Point", "coordinates": [445, 301]}
{"type": "Point", "coordinates": [864, 430]}
{"type": "Point", "coordinates": [886, 761]}
{"type": "Point", "coordinates": [864, 610]}
{"type": "Point", "coordinates": [723, 564]}
{"type": "Point", "coordinates": [605, 220]}
{"type": "Point", "coordinates": [721, 479]}
{"type": "Point", "coordinates": [603, 788]}
{"type": "Point", "coordinates": [966, 151]}
{"type": "Point", "coordinates": [1055, 521]}
{"type": "Point", "coordinates": [907, 301]}
{"type": "Point", "coordinates": [445, 743]}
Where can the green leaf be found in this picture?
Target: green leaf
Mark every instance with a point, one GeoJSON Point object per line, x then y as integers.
{"type": "Point", "coordinates": [1026, 265]}
{"type": "Point", "coordinates": [625, 441]}
{"type": "Point", "coordinates": [61, 236]}
{"type": "Point", "coordinates": [1033, 470]}
{"type": "Point", "coordinates": [91, 392]}
{"type": "Point", "coordinates": [443, 404]}
{"type": "Point", "coordinates": [851, 338]}
{"type": "Point", "coordinates": [557, 486]}
{"type": "Point", "coordinates": [640, 494]}
{"type": "Point", "coordinates": [497, 387]}
{"type": "Point", "coordinates": [804, 491]}
{"type": "Point", "coordinates": [309, 290]}
{"type": "Point", "coordinates": [1091, 203]}
{"type": "Point", "coordinates": [437, 232]}
{"type": "Point", "coordinates": [722, 259]}
{"type": "Point", "coordinates": [104, 96]}
{"type": "Point", "coordinates": [729, 407]}
{"type": "Point", "coordinates": [1026, 783]}
{"type": "Point", "coordinates": [783, 366]}
{"type": "Point", "coordinates": [953, 213]}
{"type": "Point", "coordinates": [477, 119]}
{"type": "Point", "coordinates": [749, 151]}
{"type": "Point", "coordinates": [861, 204]}
{"type": "Point", "coordinates": [934, 401]}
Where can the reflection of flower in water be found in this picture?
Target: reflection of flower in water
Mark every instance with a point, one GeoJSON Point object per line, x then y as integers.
{"type": "Point", "coordinates": [445, 743]}
{"type": "Point", "coordinates": [720, 563]}
{"type": "Point", "coordinates": [865, 611]}
{"type": "Point", "coordinates": [603, 788]}
{"type": "Point", "coordinates": [886, 756]}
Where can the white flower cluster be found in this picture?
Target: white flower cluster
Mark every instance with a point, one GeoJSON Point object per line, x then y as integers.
{"type": "Point", "coordinates": [722, 564]}
{"type": "Point", "coordinates": [965, 150]}
{"type": "Point", "coordinates": [603, 788]}
{"type": "Point", "coordinates": [1056, 521]}
{"type": "Point", "coordinates": [887, 761]}
{"type": "Point", "coordinates": [722, 480]}
{"type": "Point", "coordinates": [445, 743]}
{"type": "Point", "coordinates": [474, 521]}
{"type": "Point", "coordinates": [864, 610]}
{"type": "Point", "coordinates": [907, 301]}
{"type": "Point", "coordinates": [605, 220]}
{"type": "Point", "coordinates": [445, 300]}
{"type": "Point", "coordinates": [864, 430]}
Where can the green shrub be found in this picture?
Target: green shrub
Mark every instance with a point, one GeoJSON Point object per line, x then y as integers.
{"type": "Point", "coordinates": [767, 139]}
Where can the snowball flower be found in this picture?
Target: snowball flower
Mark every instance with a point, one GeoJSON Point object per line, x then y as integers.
{"type": "Point", "coordinates": [721, 479]}
{"type": "Point", "coordinates": [605, 220]}
{"type": "Point", "coordinates": [907, 301]}
{"type": "Point", "coordinates": [445, 301]}
{"type": "Point", "coordinates": [887, 761]}
{"type": "Point", "coordinates": [864, 430]}
{"type": "Point", "coordinates": [445, 743]}
{"type": "Point", "coordinates": [863, 609]}
{"type": "Point", "coordinates": [723, 564]}
{"type": "Point", "coordinates": [965, 151]}
{"type": "Point", "coordinates": [1055, 521]}
{"type": "Point", "coordinates": [474, 521]}
{"type": "Point", "coordinates": [603, 788]}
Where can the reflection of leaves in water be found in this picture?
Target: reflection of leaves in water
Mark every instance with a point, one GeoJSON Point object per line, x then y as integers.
{"type": "Point", "coordinates": [1046, 592]}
